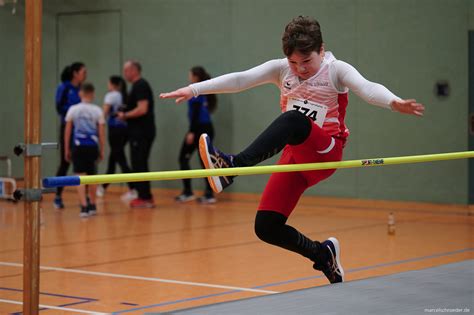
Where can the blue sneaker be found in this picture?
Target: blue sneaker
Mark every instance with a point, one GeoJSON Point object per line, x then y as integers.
{"type": "Point", "coordinates": [332, 268]}
{"type": "Point", "coordinates": [213, 158]}
{"type": "Point", "coordinates": [58, 202]}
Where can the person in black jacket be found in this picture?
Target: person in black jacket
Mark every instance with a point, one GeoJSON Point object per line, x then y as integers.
{"type": "Point", "coordinates": [140, 118]}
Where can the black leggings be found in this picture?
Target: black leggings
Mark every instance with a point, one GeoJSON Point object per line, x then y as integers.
{"type": "Point", "coordinates": [187, 151]}
{"type": "Point", "coordinates": [271, 227]}
{"type": "Point", "coordinates": [291, 128]}
{"type": "Point", "coordinates": [118, 138]}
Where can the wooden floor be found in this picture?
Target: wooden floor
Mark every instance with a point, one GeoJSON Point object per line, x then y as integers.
{"type": "Point", "coordinates": [181, 255]}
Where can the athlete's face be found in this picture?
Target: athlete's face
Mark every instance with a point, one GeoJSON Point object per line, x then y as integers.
{"type": "Point", "coordinates": [305, 66]}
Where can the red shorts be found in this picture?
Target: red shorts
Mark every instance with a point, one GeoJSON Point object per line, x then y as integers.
{"type": "Point", "coordinates": [283, 190]}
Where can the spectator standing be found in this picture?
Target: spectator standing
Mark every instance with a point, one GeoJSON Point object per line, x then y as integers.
{"type": "Point", "coordinates": [139, 115]}
{"type": "Point", "coordinates": [199, 115]}
{"type": "Point", "coordinates": [117, 133]}
{"type": "Point", "coordinates": [67, 95]}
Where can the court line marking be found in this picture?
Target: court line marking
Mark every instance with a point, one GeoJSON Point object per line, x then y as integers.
{"type": "Point", "coordinates": [253, 242]}
{"type": "Point", "coordinates": [45, 309]}
{"type": "Point", "coordinates": [225, 200]}
{"type": "Point", "coordinates": [114, 275]}
{"type": "Point", "coordinates": [176, 301]}
{"type": "Point", "coordinates": [137, 235]}
{"type": "Point", "coordinates": [202, 297]}
{"type": "Point", "coordinates": [57, 308]}
{"type": "Point", "coordinates": [54, 294]}
{"type": "Point", "coordinates": [81, 300]}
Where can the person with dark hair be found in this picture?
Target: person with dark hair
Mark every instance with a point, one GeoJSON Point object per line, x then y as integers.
{"type": "Point", "coordinates": [85, 127]}
{"type": "Point", "coordinates": [314, 88]}
{"type": "Point", "coordinates": [67, 95]}
{"type": "Point", "coordinates": [140, 118]}
{"type": "Point", "coordinates": [114, 101]}
{"type": "Point", "coordinates": [199, 115]}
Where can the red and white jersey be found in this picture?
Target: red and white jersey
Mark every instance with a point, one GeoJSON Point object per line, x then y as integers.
{"type": "Point", "coordinates": [323, 97]}
{"type": "Point", "coordinates": [316, 97]}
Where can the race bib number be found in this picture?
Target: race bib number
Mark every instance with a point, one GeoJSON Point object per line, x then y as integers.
{"type": "Point", "coordinates": [315, 111]}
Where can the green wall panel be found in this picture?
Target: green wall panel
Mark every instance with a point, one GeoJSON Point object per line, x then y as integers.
{"type": "Point", "coordinates": [405, 45]}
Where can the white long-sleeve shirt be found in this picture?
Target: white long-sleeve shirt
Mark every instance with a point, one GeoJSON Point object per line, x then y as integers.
{"type": "Point", "coordinates": [343, 76]}
{"type": "Point", "coordinates": [334, 78]}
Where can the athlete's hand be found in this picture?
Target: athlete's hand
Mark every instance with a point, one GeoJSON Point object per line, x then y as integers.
{"type": "Point", "coordinates": [180, 95]}
{"type": "Point", "coordinates": [410, 107]}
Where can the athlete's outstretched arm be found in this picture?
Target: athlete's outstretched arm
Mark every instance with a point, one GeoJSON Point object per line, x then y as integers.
{"type": "Point", "coordinates": [269, 72]}
{"type": "Point", "coordinates": [371, 92]}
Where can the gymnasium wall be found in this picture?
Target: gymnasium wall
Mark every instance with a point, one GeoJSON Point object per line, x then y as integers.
{"type": "Point", "coordinates": [471, 15]}
{"type": "Point", "coordinates": [406, 45]}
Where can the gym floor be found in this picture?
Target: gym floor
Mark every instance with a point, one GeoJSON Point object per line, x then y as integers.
{"type": "Point", "coordinates": [178, 256]}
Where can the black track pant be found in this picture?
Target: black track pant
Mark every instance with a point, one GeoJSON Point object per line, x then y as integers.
{"type": "Point", "coordinates": [186, 153]}
{"type": "Point", "coordinates": [118, 138]}
{"type": "Point", "coordinates": [140, 149]}
{"type": "Point", "coordinates": [63, 164]}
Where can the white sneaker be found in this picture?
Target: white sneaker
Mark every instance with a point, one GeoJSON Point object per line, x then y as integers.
{"type": "Point", "coordinates": [100, 192]}
{"type": "Point", "coordinates": [207, 200]}
{"type": "Point", "coordinates": [129, 195]}
{"type": "Point", "coordinates": [184, 198]}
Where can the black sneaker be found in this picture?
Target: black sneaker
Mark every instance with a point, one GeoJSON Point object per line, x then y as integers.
{"type": "Point", "coordinates": [84, 212]}
{"type": "Point", "coordinates": [332, 268]}
{"type": "Point", "coordinates": [58, 202]}
{"type": "Point", "coordinates": [213, 158]}
{"type": "Point", "coordinates": [92, 209]}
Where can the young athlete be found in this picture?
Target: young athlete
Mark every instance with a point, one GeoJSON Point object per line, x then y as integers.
{"type": "Point", "coordinates": [313, 99]}
{"type": "Point", "coordinates": [85, 125]}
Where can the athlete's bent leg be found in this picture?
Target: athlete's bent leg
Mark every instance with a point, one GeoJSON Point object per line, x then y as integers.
{"type": "Point", "coordinates": [278, 201]}
{"type": "Point", "coordinates": [291, 128]}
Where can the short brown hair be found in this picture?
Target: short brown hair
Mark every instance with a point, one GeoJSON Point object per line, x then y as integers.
{"type": "Point", "coordinates": [87, 88]}
{"type": "Point", "coordinates": [302, 34]}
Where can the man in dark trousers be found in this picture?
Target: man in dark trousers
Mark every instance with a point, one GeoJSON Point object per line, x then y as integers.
{"type": "Point", "coordinates": [140, 118]}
